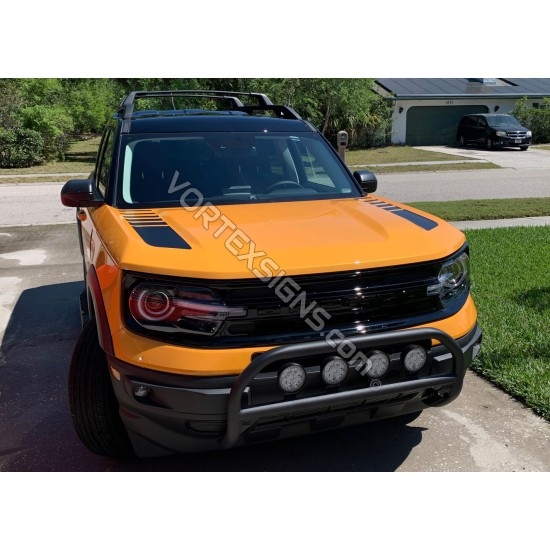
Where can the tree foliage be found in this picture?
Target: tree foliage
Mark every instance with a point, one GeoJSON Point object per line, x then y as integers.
{"type": "Point", "coordinates": [58, 109]}
{"type": "Point", "coordinates": [91, 102]}
{"type": "Point", "coordinates": [332, 104]}
{"type": "Point", "coordinates": [537, 119]}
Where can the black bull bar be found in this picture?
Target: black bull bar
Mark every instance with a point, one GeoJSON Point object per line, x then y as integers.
{"type": "Point", "coordinates": [239, 419]}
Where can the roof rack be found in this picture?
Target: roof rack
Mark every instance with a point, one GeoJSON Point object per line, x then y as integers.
{"type": "Point", "coordinates": [126, 108]}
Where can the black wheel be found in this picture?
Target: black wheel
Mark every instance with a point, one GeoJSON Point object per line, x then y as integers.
{"type": "Point", "coordinates": [524, 148]}
{"type": "Point", "coordinates": [461, 141]}
{"type": "Point", "coordinates": [489, 144]}
{"type": "Point", "coordinates": [92, 401]}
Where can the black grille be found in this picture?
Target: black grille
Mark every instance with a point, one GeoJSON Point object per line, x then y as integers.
{"type": "Point", "coordinates": [516, 134]}
{"type": "Point", "coordinates": [306, 307]}
{"type": "Point", "coordinates": [349, 299]}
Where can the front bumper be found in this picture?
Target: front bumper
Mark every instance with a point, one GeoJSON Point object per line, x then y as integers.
{"type": "Point", "coordinates": [166, 413]}
{"type": "Point", "coordinates": [511, 142]}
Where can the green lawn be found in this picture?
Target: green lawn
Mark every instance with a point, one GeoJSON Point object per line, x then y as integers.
{"type": "Point", "coordinates": [393, 154]}
{"type": "Point", "coordinates": [488, 209]}
{"type": "Point", "coordinates": [403, 154]}
{"type": "Point", "coordinates": [511, 289]}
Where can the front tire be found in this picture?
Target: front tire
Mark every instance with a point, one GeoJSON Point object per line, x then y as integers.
{"type": "Point", "coordinates": [461, 142]}
{"type": "Point", "coordinates": [524, 148]}
{"type": "Point", "coordinates": [489, 144]}
{"type": "Point", "coordinates": [92, 401]}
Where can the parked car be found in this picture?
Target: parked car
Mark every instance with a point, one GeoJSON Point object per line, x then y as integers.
{"type": "Point", "coordinates": [243, 285]}
{"type": "Point", "coordinates": [492, 131]}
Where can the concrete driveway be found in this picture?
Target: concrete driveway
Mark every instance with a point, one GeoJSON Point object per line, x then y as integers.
{"type": "Point", "coordinates": [532, 159]}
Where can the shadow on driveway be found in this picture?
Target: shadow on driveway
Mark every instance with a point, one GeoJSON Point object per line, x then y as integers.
{"type": "Point", "coordinates": [36, 433]}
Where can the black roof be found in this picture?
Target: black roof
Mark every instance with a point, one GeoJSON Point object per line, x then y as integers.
{"type": "Point", "coordinates": [422, 88]}
{"type": "Point", "coordinates": [257, 114]}
{"type": "Point", "coordinates": [207, 121]}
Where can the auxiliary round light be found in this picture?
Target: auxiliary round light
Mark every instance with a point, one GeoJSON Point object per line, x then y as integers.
{"type": "Point", "coordinates": [378, 364]}
{"type": "Point", "coordinates": [334, 371]}
{"type": "Point", "coordinates": [292, 377]}
{"type": "Point", "coordinates": [414, 358]}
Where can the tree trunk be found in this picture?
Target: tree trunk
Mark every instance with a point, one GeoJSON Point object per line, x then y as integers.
{"type": "Point", "coordinates": [327, 118]}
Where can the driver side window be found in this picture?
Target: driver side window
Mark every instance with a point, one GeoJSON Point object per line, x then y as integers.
{"type": "Point", "coordinates": [105, 162]}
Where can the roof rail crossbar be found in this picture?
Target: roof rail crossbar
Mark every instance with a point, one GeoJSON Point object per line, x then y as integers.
{"type": "Point", "coordinates": [127, 105]}
{"type": "Point", "coordinates": [281, 111]}
{"type": "Point", "coordinates": [126, 108]}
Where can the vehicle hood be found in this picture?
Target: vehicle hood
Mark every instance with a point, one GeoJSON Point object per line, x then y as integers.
{"type": "Point", "coordinates": [247, 240]}
{"type": "Point", "coordinates": [510, 127]}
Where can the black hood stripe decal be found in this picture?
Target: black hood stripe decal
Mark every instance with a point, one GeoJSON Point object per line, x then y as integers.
{"type": "Point", "coordinates": [161, 236]}
{"type": "Point", "coordinates": [154, 230]}
{"type": "Point", "coordinates": [413, 217]}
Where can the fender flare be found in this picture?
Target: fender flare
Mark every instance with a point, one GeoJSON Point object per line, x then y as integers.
{"type": "Point", "coordinates": [102, 322]}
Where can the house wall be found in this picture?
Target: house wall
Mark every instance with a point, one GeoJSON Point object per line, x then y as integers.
{"type": "Point", "coordinates": [399, 126]}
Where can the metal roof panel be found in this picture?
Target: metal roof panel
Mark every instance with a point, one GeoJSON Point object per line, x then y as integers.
{"type": "Point", "coordinates": [424, 88]}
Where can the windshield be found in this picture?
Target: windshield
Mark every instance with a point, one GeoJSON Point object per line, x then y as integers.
{"type": "Point", "coordinates": [504, 120]}
{"type": "Point", "coordinates": [228, 167]}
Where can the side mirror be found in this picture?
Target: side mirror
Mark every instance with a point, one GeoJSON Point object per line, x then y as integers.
{"type": "Point", "coordinates": [367, 180]}
{"type": "Point", "coordinates": [80, 193]}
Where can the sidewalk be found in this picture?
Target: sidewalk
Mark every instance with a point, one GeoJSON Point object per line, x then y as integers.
{"type": "Point", "coordinates": [422, 163]}
{"type": "Point", "coordinates": [508, 222]}
{"type": "Point", "coordinates": [67, 175]}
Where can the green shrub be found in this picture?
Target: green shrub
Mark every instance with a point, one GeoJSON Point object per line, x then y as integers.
{"type": "Point", "coordinates": [53, 124]}
{"type": "Point", "coordinates": [20, 147]}
{"type": "Point", "coordinates": [537, 119]}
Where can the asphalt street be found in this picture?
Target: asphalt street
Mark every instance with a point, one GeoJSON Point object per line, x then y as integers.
{"type": "Point", "coordinates": [40, 281]}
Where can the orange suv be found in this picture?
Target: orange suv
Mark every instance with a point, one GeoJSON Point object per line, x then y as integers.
{"type": "Point", "coordinates": [242, 285]}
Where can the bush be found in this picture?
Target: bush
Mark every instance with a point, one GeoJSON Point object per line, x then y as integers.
{"type": "Point", "coordinates": [536, 119]}
{"type": "Point", "coordinates": [20, 148]}
{"type": "Point", "coordinates": [53, 124]}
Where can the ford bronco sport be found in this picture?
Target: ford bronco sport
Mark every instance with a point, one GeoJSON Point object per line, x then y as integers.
{"type": "Point", "coordinates": [242, 285]}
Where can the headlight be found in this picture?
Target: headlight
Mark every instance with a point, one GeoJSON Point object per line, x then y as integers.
{"type": "Point", "coordinates": [501, 133]}
{"type": "Point", "coordinates": [529, 133]}
{"type": "Point", "coordinates": [173, 308]}
{"type": "Point", "coordinates": [453, 279]}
